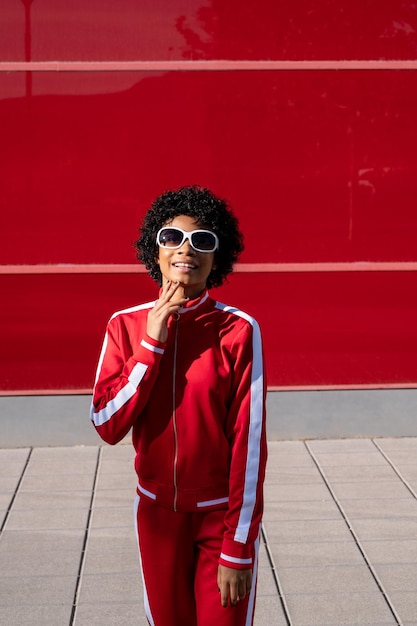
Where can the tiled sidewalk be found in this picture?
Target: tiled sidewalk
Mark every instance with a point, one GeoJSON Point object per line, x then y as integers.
{"type": "Point", "coordinates": [340, 535]}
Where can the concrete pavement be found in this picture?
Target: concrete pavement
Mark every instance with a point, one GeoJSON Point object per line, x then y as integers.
{"type": "Point", "coordinates": [339, 544]}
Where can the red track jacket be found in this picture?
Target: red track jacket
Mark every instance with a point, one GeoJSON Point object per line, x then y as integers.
{"type": "Point", "coordinates": [197, 407]}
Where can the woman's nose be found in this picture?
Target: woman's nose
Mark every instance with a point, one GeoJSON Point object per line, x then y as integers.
{"type": "Point", "coordinates": [187, 248]}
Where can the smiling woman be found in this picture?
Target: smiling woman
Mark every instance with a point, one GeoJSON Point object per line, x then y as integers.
{"type": "Point", "coordinates": [185, 372]}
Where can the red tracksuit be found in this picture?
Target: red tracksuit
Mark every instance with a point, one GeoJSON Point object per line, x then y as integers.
{"type": "Point", "coordinates": [197, 408]}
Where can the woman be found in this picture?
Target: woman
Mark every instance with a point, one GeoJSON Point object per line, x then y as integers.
{"type": "Point", "coordinates": [186, 374]}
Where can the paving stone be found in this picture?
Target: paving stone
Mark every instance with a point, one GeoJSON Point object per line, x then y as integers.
{"type": "Point", "coordinates": [365, 490]}
{"type": "Point", "coordinates": [125, 587]}
{"type": "Point", "coordinates": [405, 603]}
{"type": "Point", "coordinates": [111, 498]}
{"type": "Point", "coordinates": [266, 582]}
{"type": "Point", "coordinates": [36, 541]}
{"type": "Point", "coordinates": [119, 459]}
{"type": "Point", "coordinates": [347, 473]}
{"type": "Point", "coordinates": [300, 511]}
{"type": "Point", "coordinates": [36, 590]}
{"type": "Point", "coordinates": [401, 508]}
{"type": "Point", "coordinates": [382, 529]}
{"type": "Point", "coordinates": [391, 551]}
{"type": "Point", "coordinates": [329, 579]}
{"type": "Point", "coordinates": [5, 500]}
{"type": "Point", "coordinates": [29, 615]}
{"type": "Point", "coordinates": [316, 553]}
{"type": "Point", "coordinates": [402, 457]}
{"type": "Point", "coordinates": [119, 517]}
{"type": "Point", "coordinates": [310, 530]}
{"type": "Point", "coordinates": [350, 459]}
{"type": "Point", "coordinates": [13, 462]}
{"type": "Point", "coordinates": [346, 608]}
{"type": "Point", "coordinates": [278, 448]}
{"type": "Point", "coordinates": [293, 475]}
{"type": "Point", "coordinates": [108, 536]}
{"type": "Point", "coordinates": [62, 461]}
{"type": "Point", "coordinates": [269, 611]}
{"type": "Point", "coordinates": [110, 614]}
{"type": "Point", "coordinates": [112, 560]}
{"type": "Point", "coordinates": [398, 577]}
{"type": "Point", "coordinates": [8, 484]}
{"type": "Point", "coordinates": [263, 557]}
{"type": "Point", "coordinates": [336, 446]}
{"type": "Point", "coordinates": [55, 467]}
{"type": "Point", "coordinates": [124, 450]}
{"type": "Point", "coordinates": [122, 480]}
{"type": "Point", "coordinates": [49, 519]}
{"type": "Point", "coordinates": [60, 454]}
{"type": "Point", "coordinates": [58, 482]}
{"type": "Point", "coordinates": [55, 500]}
{"type": "Point", "coordinates": [397, 443]}
{"type": "Point", "coordinates": [283, 493]}
{"type": "Point", "coordinates": [39, 563]}
{"type": "Point", "coordinates": [287, 457]}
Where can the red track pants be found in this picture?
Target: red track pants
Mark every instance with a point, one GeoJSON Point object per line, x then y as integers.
{"type": "Point", "coordinates": [179, 555]}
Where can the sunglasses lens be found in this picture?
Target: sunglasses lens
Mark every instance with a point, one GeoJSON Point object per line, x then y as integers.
{"type": "Point", "coordinates": [170, 237]}
{"type": "Point", "coordinates": [203, 241]}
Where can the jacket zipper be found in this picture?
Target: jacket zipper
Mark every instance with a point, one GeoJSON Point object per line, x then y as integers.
{"type": "Point", "coordinates": [174, 414]}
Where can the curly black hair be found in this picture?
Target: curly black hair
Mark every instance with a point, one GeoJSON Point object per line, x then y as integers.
{"type": "Point", "coordinates": [209, 212]}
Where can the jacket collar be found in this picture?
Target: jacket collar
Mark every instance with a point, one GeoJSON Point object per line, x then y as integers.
{"type": "Point", "coordinates": [191, 305]}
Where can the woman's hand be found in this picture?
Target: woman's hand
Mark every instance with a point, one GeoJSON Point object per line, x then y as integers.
{"type": "Point", "coordinates": [170, 301]}
{"type": "Point", "coordinates": [233, 584]}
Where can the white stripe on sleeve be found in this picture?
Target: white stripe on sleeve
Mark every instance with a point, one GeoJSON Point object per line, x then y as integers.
{"type": "Point", "coordinates": [152, 348]}
{"type": "Point", "coordinates": [255, 429]}
{"type": "Point", "coordinates": [122, 397]}
{"type": "Point", "coordinates": [233, 559]}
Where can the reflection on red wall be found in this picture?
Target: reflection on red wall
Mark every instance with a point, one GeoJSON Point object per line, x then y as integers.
{"type": "Point", "coordinates": [328, 158]}
{"type": "Point", "coordinates": [319, 165]}
{"type": "Point", "coordinates": [100, 30]}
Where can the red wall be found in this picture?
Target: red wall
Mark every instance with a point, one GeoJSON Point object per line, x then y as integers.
{"type": "Point", "coordinates": [319, 164]}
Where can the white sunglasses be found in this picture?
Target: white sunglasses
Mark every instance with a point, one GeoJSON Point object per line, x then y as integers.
{"type": "Point", "coordinates": [173, 238]}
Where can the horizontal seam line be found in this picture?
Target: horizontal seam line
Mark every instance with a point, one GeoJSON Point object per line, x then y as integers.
{"type": "Point", "coordinates": [210, 65]}
{"type": "Point", "coordinates": [131, 268]}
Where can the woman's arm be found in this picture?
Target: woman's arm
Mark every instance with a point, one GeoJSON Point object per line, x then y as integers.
{"type": "Point", "coordinates": [129, 365]}
{"type": "Point", "coordinates": [247, 434]}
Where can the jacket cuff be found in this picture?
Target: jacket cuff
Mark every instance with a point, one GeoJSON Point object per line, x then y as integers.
{"type": "Point", "coordinates": [236, 555]}
{"type": "Point", "coordinates": [149, 349]}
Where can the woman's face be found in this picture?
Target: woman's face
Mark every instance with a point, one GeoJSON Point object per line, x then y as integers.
{"type": "Point", "coordinates": [185, 265]}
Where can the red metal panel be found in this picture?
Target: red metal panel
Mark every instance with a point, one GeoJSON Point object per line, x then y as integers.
{"type": "Point", "coordinates": [197, 29]}
{"type": "Point", "coordinates": [320, 166]}
{"type": "Point", "coordinates": [54, 326]}
{"type": "Point", "coordinates": [336, 328]}
{"type": "Point", "coordinates": [319, 329]}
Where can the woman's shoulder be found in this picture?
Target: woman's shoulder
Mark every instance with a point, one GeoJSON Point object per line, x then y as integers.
{"type": "Point", "coordinates": [132, 312]}
{"type": "Point", "coordinates": [236, 315]}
